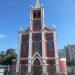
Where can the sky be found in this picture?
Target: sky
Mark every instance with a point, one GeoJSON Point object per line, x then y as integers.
{"type": "Point", "coordinates": [16, 13]}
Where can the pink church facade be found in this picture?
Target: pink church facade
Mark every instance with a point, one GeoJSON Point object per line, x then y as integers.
{"type": "Point", "coordinates": [37, 46]}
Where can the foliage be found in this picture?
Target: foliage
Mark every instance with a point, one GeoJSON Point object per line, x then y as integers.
{"type": "Point", "coordinates": [1, 57]}
{"type": "Point", "coordinates": [68, 63]}
{"type": "Point", "coordinates": [7, 57]}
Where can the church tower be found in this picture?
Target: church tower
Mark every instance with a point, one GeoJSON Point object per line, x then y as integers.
{"type": "Point", "coordinates": [37, 45]}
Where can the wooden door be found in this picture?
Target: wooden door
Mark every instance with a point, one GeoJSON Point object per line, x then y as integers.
{"type": "Point", "coordinates": [37, 68]}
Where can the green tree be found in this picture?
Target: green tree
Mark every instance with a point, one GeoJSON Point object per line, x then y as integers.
{"type": "Point", "coordinates": [10, 54]}
{"type": "Point", "coordinates": [68, 62]}
{"type": "Point", "coordinates": [1, 56]}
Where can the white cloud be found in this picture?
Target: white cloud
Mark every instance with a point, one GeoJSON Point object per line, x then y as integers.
{"type": "Point", "coordinates": [2, 36]}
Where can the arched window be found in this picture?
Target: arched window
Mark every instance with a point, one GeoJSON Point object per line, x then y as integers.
{"type": "Point", "coordinates": [50, 45]}
{"type": "Point", "coordinates": [37, 14]}
{"type": "Point", "coordinates": [37, 46]}
{"type": "Point", "coordinates": [24, 45]}
{"type": "Point", "coordinates": [34, 15]}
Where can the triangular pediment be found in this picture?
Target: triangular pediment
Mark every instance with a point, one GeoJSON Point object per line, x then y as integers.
{"type": "Point", "coordinates": [36, 55]}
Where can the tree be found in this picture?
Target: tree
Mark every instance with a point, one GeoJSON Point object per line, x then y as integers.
{"type": "Point", "coordinates": [1, 56]}
{"type": "Point", "coordinates": [68, 62]}
{"type": "Point", "coordinates": [10, 54]}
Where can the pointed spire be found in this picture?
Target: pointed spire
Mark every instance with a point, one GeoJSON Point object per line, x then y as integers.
{"type": "Point", "coordinates": [37, 5]}
{"type": "Point", "coordinates": [20, 29]}
{"type": "Point", "coordinates": [31, 6]}
{"type": "Point", "coordinates": [54, 26]}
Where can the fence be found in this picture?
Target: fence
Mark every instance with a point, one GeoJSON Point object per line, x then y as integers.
{"type": "Point", "coordinates": [4, 70]}
{"type": "Point", "coordinates": [35, 70]}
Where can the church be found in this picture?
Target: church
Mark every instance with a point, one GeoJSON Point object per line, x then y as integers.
{"type": "Point", "coordinates": [38, 49]}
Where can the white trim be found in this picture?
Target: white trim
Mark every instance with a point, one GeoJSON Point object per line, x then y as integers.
{"type": "Point", "coordinates": [40, 64]}
{"type": "Point", "coordinates": [45, 31]}
{"type": "Point", "coordinates": [56, 51]}
{"type": "Point", "coordinates": [35, 59]}
{"type": "Point", "coordinates": [30, 42]}
{"type": "Point", "coordinates": [30, 51]}
{"type": "Point", "coordinates": [18, 57]}
{"type": "Point", "coordinates": [42, 18]}
{"type": "Point", "coordinates": [43, 45]}
{"type": "Point", "coordinates": [36, 54]}
{"type": "Point", "coordinates": [63, 59]}
{"type": "Point", "coordinates": [31, 19]}
{"type": "Point", "coordinates": [37, 5]}
{"type": "Point", "coordinates": [43, 50]}
{"type": "Point", "coordinates": [30, 45]}
{"type": "Point", "coordinates": [46, 58]}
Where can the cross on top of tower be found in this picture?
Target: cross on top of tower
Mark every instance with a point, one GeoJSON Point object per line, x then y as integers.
{"type": "Point", "coordinates": [37, 5]}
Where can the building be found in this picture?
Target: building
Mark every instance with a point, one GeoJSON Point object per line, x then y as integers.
{"type": "Point", "coordinates": [70, 53]}
{"type": "Point", "coordinates": [38, 52]}
{"type": "Point", "coordinates": [70, 57]}
{"type": "Point", "coordinates": [62, 53]}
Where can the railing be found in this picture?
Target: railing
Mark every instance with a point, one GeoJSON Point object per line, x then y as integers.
{"type": "Point", "coordinates": [4, 70]}
{"type": "Point", "coordinates": [35, 70]}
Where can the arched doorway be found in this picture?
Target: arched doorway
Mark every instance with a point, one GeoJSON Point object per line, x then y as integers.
{"type": "Point", "coordinates": [36, 68]}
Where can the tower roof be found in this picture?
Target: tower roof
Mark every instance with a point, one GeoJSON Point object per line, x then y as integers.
{"type": "Point", "coordinates": [37, 5]}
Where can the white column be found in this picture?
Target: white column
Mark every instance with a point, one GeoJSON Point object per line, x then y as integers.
{"type": "Point", "coordinates": [30, 52]}
{"type": "Point", "coordinates": [56, 51]}
{"type": "Point", "coordinates": [30, 43]}
{"type": "Point", "coordinates": [43, 40]}
{"type": "Point", "coordinates": [42, 18]}
{"type": "Point", "coordinates": [43, 52]}
{"type": "Point", "coordinates": [43, 34]}
{"type": "Point", "coordinates": [18, 57]}
{"type": "Point", "coordinates": [43, 44]}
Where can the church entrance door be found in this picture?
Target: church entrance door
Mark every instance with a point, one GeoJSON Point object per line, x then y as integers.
{"type": "Point", "coordinates": [36, 68]}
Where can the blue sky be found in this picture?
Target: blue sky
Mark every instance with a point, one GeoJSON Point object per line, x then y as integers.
{"type": "Point", "coordinates": [14, 13]}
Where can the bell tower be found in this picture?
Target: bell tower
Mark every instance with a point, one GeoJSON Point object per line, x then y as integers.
{"type": "Point", "coordinates": [37, 16]}
{"type": "Point", "coordinates": [36, 46]}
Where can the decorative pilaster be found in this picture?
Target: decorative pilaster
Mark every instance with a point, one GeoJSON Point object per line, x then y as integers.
{"type": "Point", "coordinates": [43, 52]}
{"type": "Point", "coordinates": [56, 50]}
{"type": "Point", "coordinates": [18, 57]}
{"type": "Point", "coordinates": [43, 41]}
{"type": "Point", "coordinates": [30, 44]}
{"type": "Point", "coordinates": [30, 52]}
{"type": "Point", "coordinates": [42, 18]}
